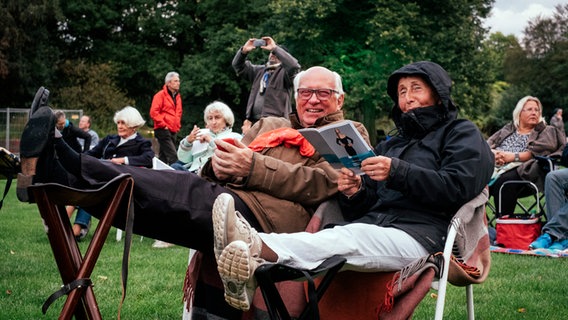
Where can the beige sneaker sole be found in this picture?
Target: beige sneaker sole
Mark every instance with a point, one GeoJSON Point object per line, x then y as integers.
{"type": "Point", "coordinates": [221, 206]}
{"type": "Point", "coordinates": [237, 274]}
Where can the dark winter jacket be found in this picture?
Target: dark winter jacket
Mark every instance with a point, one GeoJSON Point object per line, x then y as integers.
{"type": "Point", "coordinates": [438, 164]}
{"type": "Point", "coordinates": [70, 134]}
{"type": "Point", "coordinates": [138, 150]}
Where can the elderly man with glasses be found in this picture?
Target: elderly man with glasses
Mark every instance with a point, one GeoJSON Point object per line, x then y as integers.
{"type": "Point", "coordinates": [176, 206]}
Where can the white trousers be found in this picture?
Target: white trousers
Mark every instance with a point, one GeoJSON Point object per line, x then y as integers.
{"type": "Point", "coordinates": [366, 247]}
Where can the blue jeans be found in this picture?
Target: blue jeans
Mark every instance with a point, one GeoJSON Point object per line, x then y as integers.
{"type": "Point", "coordinates": [555, 188]}
{"type": "Point", "coordinates": [178, 165]}
{"type": "Point", "coordinates": [82, 218]}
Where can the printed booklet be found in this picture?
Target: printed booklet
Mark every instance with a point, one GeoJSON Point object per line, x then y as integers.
{"type": "Point", "coordinates": [340, 144]}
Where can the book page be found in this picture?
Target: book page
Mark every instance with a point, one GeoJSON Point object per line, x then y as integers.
{"type": "Point", "coordinates": [340, 144]}
{"type": "Point", "coordinates": [199, 146]}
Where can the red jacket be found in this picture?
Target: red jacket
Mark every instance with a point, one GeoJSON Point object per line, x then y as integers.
{"type": "Point", "coordinates": [164, 112]}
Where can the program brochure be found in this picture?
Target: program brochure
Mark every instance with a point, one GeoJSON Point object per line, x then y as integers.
{"type": "Point", "coordinates": [340, 144]}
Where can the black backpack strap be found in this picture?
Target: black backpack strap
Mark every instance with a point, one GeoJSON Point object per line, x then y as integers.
{"type": "Point", "coordinates": [9, 179]}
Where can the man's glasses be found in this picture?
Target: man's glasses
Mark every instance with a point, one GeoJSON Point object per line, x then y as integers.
{"type": "Point", "coordinates": [321, 94]}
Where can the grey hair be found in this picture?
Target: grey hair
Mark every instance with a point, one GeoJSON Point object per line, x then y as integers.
{"type": "Point", "coordinates": [519, 108]}
{"type": "Point", "coordinates": [223, 109]}
{"type": "Point", "coordinates": [59, 114]}
{"type": "Point", "coordinates": [170, 76]}
{"type": "Point", "coordinates": [336, 76]}
{"type": "Point", "coordinates": [130, 116]}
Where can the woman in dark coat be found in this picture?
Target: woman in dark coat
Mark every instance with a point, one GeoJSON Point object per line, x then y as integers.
{"type": "Point", "coordinates": [127, 147]}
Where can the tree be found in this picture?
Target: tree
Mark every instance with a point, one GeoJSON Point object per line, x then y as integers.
{"type": "Point", "coordinates": [28, 46]}
{"type": "Point", "coordinates": [91, 87]}
{"type": "Point", "coordinates": [539, 66]}
{"type": "Point", "coordinates": [364, 41]}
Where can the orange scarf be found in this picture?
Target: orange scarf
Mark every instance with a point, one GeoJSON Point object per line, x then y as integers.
{"type": "Point", "coordinates": [287, 136]}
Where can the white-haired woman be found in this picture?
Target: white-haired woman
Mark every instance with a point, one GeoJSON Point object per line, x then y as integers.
{"type": "Point", "coordinates": [127, 147]}
{"type": "Point", "coordinates": [515, 146]}
{"type": "Point", "coordinates": [195, 149]}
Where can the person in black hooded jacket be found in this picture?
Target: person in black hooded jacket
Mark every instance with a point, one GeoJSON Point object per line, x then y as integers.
{"type": "Point", "coordinates": [398, 211]}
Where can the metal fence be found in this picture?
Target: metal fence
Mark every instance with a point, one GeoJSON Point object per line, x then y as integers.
{"type": "Point", "coordinates": [13, 120]}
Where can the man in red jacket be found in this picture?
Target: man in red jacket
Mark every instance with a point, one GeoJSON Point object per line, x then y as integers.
{"type": "Point", "coordinates": [166, 111]}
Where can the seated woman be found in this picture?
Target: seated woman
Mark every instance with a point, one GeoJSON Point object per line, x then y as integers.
{"type": "Point", "coordinates": [198, 146]}
{"type": "Point", "coordinates": [515, 146]}
{"type": "Point", "coordinates": [127, 147]}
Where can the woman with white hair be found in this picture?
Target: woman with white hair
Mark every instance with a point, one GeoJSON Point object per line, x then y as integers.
{"type": "Point", "coordinates": [127, 147]}
{"type": "Point", "coordinates": [515, 146]}
{"type": "Point", "coordinates": [195, 149]}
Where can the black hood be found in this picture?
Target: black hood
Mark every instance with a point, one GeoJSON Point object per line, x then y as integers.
{"type": "Point", "coordinates": [440, 81]}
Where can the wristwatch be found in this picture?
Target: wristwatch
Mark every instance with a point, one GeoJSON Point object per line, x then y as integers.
{"type": "Point", "coordinates": [517, 158]}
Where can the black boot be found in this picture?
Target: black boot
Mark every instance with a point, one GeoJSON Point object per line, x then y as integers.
{"type": "Point", "coordinates": [40, 100]}
{"type": "Point", "coordinates": [36, 141]}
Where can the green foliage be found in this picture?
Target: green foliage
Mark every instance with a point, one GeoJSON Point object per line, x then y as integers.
{"type": "Point", "coordinates": [540, 65]}
{"type": "Point", "coordinates": [28, 48]}
{"type": "Point", "coordinates": [91, 88]}
{"type": "Point", "coordinates": [142, 40]}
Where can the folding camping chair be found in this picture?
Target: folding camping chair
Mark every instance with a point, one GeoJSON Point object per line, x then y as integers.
{"type": "Point", "coordinates": [532, 205]}
{"type": "Point", "coordinates": [76, 270]}
{"type": "Point", "coordinates": [466, 249]}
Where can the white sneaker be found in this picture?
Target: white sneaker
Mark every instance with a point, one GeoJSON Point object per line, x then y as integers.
{"type": "Point", "coordinates": [236, 267]}
{"type": "Point", "coordinates": [229, 225]}
{"type": "Point", "coordinates": [162, 244]}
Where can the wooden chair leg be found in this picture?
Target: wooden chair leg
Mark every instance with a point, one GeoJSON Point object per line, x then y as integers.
{"type": "Point", "coordinates": [67, 254]}
{"type": "Point", "coordinates": [75, 269]}
{"type": "Point", "coordinates": [93, 251]}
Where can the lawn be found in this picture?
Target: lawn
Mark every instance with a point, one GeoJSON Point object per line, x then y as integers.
{"type": "Point", "coordinates": [518, 287]}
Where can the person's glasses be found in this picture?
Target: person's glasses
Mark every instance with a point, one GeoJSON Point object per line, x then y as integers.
{"type": "Point", "coordinates": [321, 94]}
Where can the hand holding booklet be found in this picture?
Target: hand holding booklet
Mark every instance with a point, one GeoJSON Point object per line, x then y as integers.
{"type": "Point", "coordinates": [340, 144]}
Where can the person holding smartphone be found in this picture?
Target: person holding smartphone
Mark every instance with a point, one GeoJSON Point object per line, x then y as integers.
{"type": "Point", "coordinates": [272, 82]}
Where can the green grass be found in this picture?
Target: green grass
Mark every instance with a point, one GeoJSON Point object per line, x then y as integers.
{"type": "Point", "coordinates": [28, 273]}
{"type": "Point", "coordinates": [518, 287]}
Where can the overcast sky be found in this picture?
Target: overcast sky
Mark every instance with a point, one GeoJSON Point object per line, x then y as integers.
{"type": "Point", "coordinates": [512, 16]}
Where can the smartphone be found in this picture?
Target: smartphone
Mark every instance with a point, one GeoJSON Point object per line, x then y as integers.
{"type": "Point", "coordinates": [229, 140]}
{"type": "Point", "coordinates": [259, 43]}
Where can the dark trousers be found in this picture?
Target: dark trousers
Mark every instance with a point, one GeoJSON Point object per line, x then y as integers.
{"type": "Point", "coordinates": [169, 205]}
{"type": "Point", "coordinates": [511, 192]}
{"type": "Point", "coordinates": [168, 147]}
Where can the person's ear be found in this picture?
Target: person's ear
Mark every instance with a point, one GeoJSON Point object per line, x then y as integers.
{"type": "Point", "coordinates": [340, 101]}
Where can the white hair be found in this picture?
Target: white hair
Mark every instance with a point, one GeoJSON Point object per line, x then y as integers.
{"type": "Point", "coordinates": [170, 76]}
{"type": "Point", "coordinates": [130, 116]}
{"type": "Point", "coordinates": [223, 109]}
{"type": "Point", "coordinates": [336, 76]}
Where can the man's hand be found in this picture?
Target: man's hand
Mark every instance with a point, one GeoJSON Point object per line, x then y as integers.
{"type": "Point", "coordinates": [248, 46]}
{"type": "Point", "coordinates": [117, 160]}
{"type": "Point", "coordinates": [246, 126]}
{"type": "Point", "coordinates": [270, 44]}
{"type": "Point", "coordinates": [233, 161]}
{"type": "Point", "coordinates": [348, 182]}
